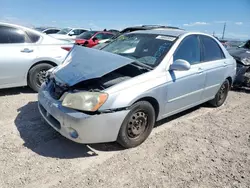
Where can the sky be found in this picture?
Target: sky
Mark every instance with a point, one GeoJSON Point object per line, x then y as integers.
{"type": "Point", "coordinates": [195, 15]}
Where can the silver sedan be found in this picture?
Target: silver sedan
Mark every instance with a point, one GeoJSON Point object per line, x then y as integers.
{"type": "Point", "coordinates": [117, 93]}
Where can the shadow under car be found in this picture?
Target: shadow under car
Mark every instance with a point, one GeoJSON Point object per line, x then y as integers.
{"type": "Point", "coordinates": [44, 140]}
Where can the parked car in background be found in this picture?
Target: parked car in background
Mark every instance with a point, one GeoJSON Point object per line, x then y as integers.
{"type": "Point", "coordinates": [26, 55]}
{"type": "Point", "coordinates": [47, 30]}
{"type": "Point", "coordinates": [69, 33]}
{"type": "Point", "coordinates": [117, 93]}
{"type": "Point", "coordinates": [224, 43]}
{"type": "Point", "coordinates": [114, 31]}
{"type": "Point", "coordinates": [92, 38]}
{"type": "Point", "coordinates": [131, 29]}
{"type": "Point", "coordinates": [242, 57]}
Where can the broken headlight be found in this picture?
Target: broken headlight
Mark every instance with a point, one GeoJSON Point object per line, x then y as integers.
{"type": "Point", "coordinates": [84, 101]}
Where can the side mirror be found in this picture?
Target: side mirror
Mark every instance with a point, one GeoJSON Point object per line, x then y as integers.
{"type": "Point", "coordinates": [71, 33]}
{"type": "Point", "coordinates": [94, 39]}
{"type": "Point", "coordinates": [85, 43]}
{"type": "Point", "coordinates": [180, 65]}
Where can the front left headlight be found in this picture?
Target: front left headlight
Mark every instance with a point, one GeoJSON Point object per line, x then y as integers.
{"type": "Point", "coordinates": [85, 101]}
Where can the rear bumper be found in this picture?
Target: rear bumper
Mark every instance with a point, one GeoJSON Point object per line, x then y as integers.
{"type": "Point", "coordinates": [90, 128]}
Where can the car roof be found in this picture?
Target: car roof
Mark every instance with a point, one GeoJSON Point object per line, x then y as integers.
{"type": "Point", "coordinates": [170, 32]}
{"type": "Point", "coordinates": [22, 27]}
{"type": "Point", "coordinates": [107, 32]}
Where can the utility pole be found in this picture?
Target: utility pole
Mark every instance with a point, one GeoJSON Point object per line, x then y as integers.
{"type": "Point", "coordinates": [224, 30]}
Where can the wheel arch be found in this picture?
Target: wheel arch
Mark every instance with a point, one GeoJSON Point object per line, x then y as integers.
{"type": "Point", "coordinates": [153, 102]}
{"type": "Point", "coordinates": [230, 79]}
{"type": "Point", "coordinates": [37, 63]}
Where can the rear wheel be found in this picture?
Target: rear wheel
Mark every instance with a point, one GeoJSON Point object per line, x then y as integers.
{"type": "Point", "coordinates": [37, 75]}
{"type": "Point", "coordinates": [222, 94]}
{"type": "Point", "coordinates": [137, 125]}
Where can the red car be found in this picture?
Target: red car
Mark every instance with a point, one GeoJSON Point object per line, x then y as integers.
{"type": "Point", "coordinates": [91, 38]}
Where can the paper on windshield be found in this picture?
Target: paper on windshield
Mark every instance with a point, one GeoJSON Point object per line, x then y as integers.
{"type": "Point", "coordinates": [168, 38]}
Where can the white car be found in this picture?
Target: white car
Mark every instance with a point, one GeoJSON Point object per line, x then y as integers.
{"type": "Point", "coordinates": [27, 54]}
{"type": "Point", "coordinates": [68, 33]}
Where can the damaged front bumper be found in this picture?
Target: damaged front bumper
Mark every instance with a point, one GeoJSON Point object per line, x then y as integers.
{"type": "Point", "coordinates": [78, 126]}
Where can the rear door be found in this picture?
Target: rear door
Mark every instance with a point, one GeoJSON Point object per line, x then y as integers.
{"type": "Point", "coordinates": [16, 55]}
{"type": "Point", "coordinates": [98, 36]}
{"type": "Point", "coordinates": [214, 64]}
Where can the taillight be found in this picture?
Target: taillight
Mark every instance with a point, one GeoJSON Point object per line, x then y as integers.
{"type": "Point", "coordinates": [66, 48]}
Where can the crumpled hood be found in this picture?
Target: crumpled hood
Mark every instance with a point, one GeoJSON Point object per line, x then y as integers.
{"type": "Point", "coordinates": [240, 54]}
{"type": "Point", "coordinates": [86, 63]}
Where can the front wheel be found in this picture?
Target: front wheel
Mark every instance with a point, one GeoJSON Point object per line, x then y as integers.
{"type": "Point", "coordinates": [37, 75]}
{"type": "Point", "coordinates": [221, 95]}
{"type": "Point", "coordinates": [137, 125]}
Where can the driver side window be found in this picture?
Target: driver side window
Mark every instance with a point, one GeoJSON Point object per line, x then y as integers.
{"type": "Point", "coordinates": [189, 50]}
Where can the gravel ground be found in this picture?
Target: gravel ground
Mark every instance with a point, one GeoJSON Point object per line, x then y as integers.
{"type": "Point", "coordinates": [202, 147]}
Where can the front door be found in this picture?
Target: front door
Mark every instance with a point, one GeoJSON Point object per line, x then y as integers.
{"type": "Point", "coordinates": [186, 87]}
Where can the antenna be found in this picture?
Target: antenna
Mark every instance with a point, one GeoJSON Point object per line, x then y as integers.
{"type": "Point", "coordinates": [224, 28]}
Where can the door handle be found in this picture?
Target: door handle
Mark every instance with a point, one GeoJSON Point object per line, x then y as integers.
{"type": "Point", "coordinates": [26, 50]}
{"type": "Point", "coordinates": [224, 64]}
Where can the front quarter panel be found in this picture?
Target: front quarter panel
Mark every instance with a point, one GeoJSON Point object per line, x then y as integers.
{"type": "Point", "coordinates": [134, 90]}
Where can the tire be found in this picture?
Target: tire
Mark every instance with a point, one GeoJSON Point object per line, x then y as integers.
{"type": "Point", "coordinates": [142, 115]}
{"type": "Point", "coordinates": [221, 95]}
{"type": "Point", "coordinates": [35, 75]}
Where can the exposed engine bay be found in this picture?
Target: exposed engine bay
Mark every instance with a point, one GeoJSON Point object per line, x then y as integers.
{"type": "Point", "coordinates": [98, 84]}
{"type": "Point", "coordinates": [242, 57]}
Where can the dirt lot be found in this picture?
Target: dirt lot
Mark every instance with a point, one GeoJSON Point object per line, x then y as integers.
{"type": "Point", "coordinates": [203, 147]}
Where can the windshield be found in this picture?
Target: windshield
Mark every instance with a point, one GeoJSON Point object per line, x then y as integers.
{"type": "Point", "coordinates": [86, 35]}
{"type": "Point", "coordinates": [148, 49]}
{"type": "Point", "coordinates": [64, 31]}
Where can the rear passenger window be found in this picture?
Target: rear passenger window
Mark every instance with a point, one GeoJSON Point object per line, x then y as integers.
{"type": "Point", "coordinates": [9, 35]}
{"type": "Point", "coordinates": [189, 50]}
{"type": "Point", "coordinates": [211, 49]}
{"type": "Point", "coordinates": [33, 37]}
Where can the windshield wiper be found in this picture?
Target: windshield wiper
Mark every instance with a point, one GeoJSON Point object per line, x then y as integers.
{"type": "Point", "coordinates": [143, 65]}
